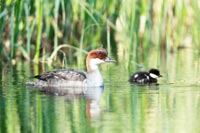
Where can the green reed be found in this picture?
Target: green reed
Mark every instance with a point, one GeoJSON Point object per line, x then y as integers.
{"type": "Point", "coordinates": [39, 15]}
{"type": "Point", "coordinates": [28, 30]}
{"type": "Point", "coordinates": [33, 30]}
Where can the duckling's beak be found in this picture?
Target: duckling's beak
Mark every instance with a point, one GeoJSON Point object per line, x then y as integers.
{"type": "Point", "coordinates": [109, 60]}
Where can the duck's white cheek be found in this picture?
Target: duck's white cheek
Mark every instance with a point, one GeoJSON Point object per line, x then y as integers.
{"type": "Point", "coordinates": [95, 62]}
{"type": "Point", "coordinates": [153, 75]}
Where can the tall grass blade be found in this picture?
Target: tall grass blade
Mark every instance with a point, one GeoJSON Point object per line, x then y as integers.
{"type": "Point", "coordinates": [28, 30]}
{"type": "Point", "coordinates": [39, 15]}
{"type": "Point", "coordinates": [64, 46]}
{"type": "Point", "coordinates": [12, 45]}
{"type": "Point", "coordinates": [108, 39]}
{"type": "Point", "coordinates": [56, 11]}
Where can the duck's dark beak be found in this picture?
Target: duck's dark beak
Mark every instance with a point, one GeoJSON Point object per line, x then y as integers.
{"type": "Point", "coordinates": [110, 60]}
{"type": "Point", "coordinates": [160, 76]}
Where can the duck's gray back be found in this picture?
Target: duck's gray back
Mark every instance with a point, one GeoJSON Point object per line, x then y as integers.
{"type": "Point", "coordinates": [58, 77]}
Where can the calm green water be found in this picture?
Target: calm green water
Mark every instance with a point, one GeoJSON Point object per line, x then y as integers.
{"type": "Point", "coordinates": [173, 106]}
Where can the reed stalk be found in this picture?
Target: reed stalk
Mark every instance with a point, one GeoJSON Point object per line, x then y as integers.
{"type": "Point", "coordinates": [28, 30]}
{"type": "Point", "coordinates": [39, 15]}
{"type": "Point", "coordinates": [12, 45]}
{"type": "Point", "coordinates": [64, 46]}
{"type": "Point", "coordinates": [3, 53]}
{"type": "Point", "coordinates": [108, 39]}
{"type": "Point", "coordinates": [57, 3]}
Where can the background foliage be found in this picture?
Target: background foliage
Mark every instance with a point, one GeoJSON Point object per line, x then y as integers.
{"type": "Point", "coordinates": [34, 30]}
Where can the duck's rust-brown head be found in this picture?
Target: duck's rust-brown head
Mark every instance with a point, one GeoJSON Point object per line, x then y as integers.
{"type": "Point", "coordinates": [96, 57]}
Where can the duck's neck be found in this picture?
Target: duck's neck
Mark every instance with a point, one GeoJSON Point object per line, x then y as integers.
{"type": "Point", "coordinates": [94, 75]}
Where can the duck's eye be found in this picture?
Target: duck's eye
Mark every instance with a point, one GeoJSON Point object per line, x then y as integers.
{"type": "Point", "coordinates": [102, 55]}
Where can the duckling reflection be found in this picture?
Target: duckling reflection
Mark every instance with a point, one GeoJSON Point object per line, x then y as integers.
{"type": "Point", "coordinates": [93, 96]}
{"type": "Point", "coordinates": [142, 89]}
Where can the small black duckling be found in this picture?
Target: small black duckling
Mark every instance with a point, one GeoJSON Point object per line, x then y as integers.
{"type": "Point", "coordinates": [145, 77]}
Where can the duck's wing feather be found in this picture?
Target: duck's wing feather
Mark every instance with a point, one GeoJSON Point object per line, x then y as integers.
{"type": "Point", "coordinates": [63, 74]}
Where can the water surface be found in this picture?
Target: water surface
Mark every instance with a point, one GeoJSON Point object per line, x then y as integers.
{"type": "Point", "coordinates": [171, 106]}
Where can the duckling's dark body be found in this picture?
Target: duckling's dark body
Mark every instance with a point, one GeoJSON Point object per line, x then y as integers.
{"type": "Point", "coordinates": [145, 77]}
{"type": "Point", "coordinates": [142, 78]}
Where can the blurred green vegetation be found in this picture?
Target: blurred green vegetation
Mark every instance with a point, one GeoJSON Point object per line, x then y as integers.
{"type": "Point", "coordinates": [131, 29]}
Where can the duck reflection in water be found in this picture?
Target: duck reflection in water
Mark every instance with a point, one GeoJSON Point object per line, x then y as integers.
{"type": "Point", "coordinates": [92, 94]}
